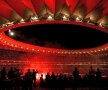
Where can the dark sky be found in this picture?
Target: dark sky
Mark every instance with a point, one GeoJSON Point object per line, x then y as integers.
{"type": "Point", "coordinates": [61, 36]}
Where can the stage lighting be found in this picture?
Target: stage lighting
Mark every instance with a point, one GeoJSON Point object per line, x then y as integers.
{"type": "Point", "coordinates": [50, 18]}
{"type": "Point", "coordinates": [34, 19]}
{"type": "Point", "coordinates": [22, 21]}
{"type": "Point", "coordinates": [79, 19]}
{"type": "Point", "coordinates": [4, 25]}
{"type": "Point", "coordinates": [101, 25]}
{"type": "Point", "coordinates": [9, 30]}
{"type": "Point", "coordinates": [9, 23]}
{"type": "Point", "coordinates": [65, 18]}
{"type": "Point", "coordinates": [12, 33]}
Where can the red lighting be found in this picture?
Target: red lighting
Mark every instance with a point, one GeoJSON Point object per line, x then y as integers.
{"type": "Point", "coordinates": [22, 55]}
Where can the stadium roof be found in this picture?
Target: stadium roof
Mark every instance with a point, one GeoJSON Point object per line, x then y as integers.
{"type": "Point", "coordinates": [12, 10]}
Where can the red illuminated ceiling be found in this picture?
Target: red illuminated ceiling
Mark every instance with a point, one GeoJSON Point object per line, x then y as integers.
{"type": "Point", "coordinates": [15, 10]}
{"type": "Point", "coordinates": [19, 6]}
{"type": "Point", "coordinates": [22, 55]}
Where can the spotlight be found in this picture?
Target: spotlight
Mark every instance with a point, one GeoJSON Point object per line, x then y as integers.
{"type": "Point", "coordinates": [22, 21]}
{"type": "Point", "coordinates": [79, 19]}
{"type": "Point", "coordinates": [50, 18]}
{"type": "Point", "coordinates": [4, 25]}
{"type": "Point", "coordinates": [9, 23]}
{"type": "Point", "coordinates": [9, 30]}
{"type": "Point", "coordinates": [34, 19]}
{"type": "Point", "coordinates": [101, 24]}
{"type": "Point", "coordinates": [65, 18]}
{"type": "Point", "coordinates": [12, 33]}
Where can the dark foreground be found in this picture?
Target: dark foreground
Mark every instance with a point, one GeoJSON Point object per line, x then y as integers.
{"type": "Point", "coordinates": [14, 79]}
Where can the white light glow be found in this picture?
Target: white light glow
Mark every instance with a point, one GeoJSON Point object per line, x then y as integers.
{"type": "Point", "coordinates": [22, 21]}
{"type": "Point", "coordinates": [79, 19]}
{"type": "Point", "coordinates": [38, 75]}
{"type": "Point", "coordinates": [12, 33]}
{"type": "Point", "coordinates": [34, 18]}
{"type": "Point", "coordinates": [65, 18]}
{"type": "Point", "coordinates": [101, 24]}
{"type": "Point", "coordinates": [9, 23]}
{"type": "Point", "coordinates": [50, 18]}
{"type": "Point", "coordinates": [9, 30]}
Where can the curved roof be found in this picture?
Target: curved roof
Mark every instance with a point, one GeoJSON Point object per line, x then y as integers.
{"type": "Point", "coordinates": [16, 9]}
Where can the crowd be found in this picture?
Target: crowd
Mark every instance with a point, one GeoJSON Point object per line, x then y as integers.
{"type": "Point", "coordinates": [14, 79]}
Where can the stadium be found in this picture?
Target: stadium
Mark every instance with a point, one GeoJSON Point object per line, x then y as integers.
{"type": "Point", "coordinates": [85, 16]}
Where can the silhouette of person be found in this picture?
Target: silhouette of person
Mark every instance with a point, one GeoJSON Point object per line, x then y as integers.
{"type": "Point", "coordinates": [48, 79]}
{"type": "Point", "coordinates": [98, 74]}
{"type": "Point", "coordinates": [3, 78]}
{"type": "Point", "coordinates": [34, 77]}
{"type": "Point", "coordinates": [17, 81]}
{"type": "Point", "coordinates": [3, 73]}
{"type": "Point", "coordinates": [28, 80]}
{"type": "Point", "coordinates": [76, 78]}
{"type": "Point", "coordinates": [41, 81]}
{"type": "Point", "coordinates": [91, 77]}
{"type": "Point", "coordinates": [60, 80]}
{"type": "Point", "coordinates": [11, 73]}
{"type": "Point", "coordinates": [91, 72]}
{"type": "Point", "coordinates": [76, 74]}
{"type": "Point", "coordinates": [53, 79]}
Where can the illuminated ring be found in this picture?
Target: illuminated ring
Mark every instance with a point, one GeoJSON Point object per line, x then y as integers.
{"type": "Point", "coordinates": [20, 46]}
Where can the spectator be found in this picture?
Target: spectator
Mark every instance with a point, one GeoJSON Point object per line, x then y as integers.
{"type": "Point", "coordinates": [41, 81]}
{"type": "Point", "coordinates": [98, 74]}
{"type": "Point", "coordinates": [48, 79]}
{"type": "Point", "coordinates": [3, 73]}
{"type": "Point", "coordinates": [53, 79]}
{"type": "Point", "coordinates": [76, 78]}
{"type": "Point", "coordinates": [28, 80]}
{"type": "Point", "coordinates": [91, 72]}
{"type": "Point", "coordinates": [34, 77]}
{"type": "Point", "coordinates": [92, 79]}
{"type": "Point", "coordinates": [11, 73]}
{"type": "Point", "coordinates": [76, 74]}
